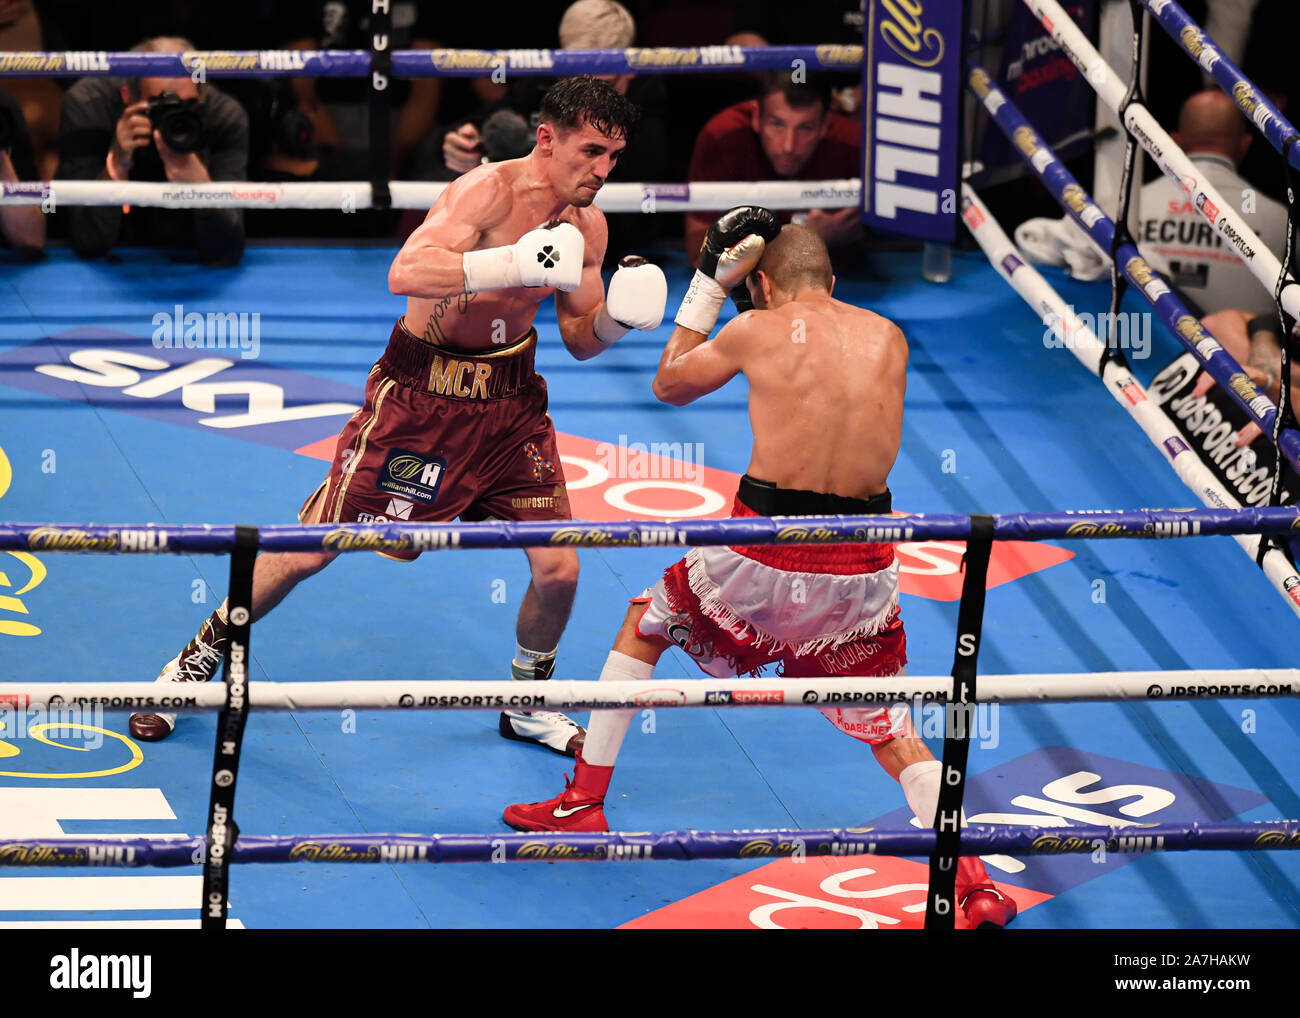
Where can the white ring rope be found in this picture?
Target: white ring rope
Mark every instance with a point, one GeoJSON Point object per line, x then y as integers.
{"type": "Point", "coordinates": [1039, 294]}
{"type": "Point", "coordinates": [1139, 122]}
{"type": "Point", "coordinates": [567, 694]}
{"type": "Point", "coordinates": [349, 195]}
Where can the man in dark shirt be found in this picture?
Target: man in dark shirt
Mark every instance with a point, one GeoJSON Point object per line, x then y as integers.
{"type": "Point", "coordinates": [22, 227]}
{"type": "Point", "coordinates": [787, 133]}
{"type": "Point", "coordinates": [105, 134]}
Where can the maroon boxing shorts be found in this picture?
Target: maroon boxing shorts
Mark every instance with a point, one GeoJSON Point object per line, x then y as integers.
{"type": "Point", "coordinates": [445, 435]}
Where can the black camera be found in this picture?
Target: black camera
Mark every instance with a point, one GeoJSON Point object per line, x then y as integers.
{"type": "Point", "coordinates": [287, 128]}
{"type": "Point", "coordinates": [179, 121]}
{"type": "Point", "coordinates": [8, 128]}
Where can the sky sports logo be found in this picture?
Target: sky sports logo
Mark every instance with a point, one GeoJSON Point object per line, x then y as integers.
{"type": "Point", "coordinates": [737, 696]}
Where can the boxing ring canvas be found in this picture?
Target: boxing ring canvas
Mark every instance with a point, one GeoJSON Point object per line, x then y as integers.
{"type": "Point", "coordinates": [995, 422]}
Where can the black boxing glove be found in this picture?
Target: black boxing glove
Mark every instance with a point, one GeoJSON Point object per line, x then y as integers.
{"type": "Point", "coordinates": [731, 251]}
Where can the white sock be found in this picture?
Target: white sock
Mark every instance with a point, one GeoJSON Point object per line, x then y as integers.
{"type": "Point", "coordinates": [606, 729]}
{"type": "Point", "coordinates": [920, 783]}
{"type": "Point", "coordinates": [527, 659]}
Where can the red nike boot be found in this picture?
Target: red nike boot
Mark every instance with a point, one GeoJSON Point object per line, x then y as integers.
{"type": "Point", "coordinates": [579, 808]}
{"type": "Point", "coordinates": [985, 906]}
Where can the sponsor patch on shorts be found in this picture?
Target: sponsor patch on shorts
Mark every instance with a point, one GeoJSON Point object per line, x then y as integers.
{"type": "Point", "coordinates": [541, 466]}
{"type": "Point", "coordinates": [411, 476]}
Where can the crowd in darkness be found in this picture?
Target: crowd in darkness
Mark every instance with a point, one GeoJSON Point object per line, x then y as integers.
{"type": "Point", "coordinates": [317, 129]}
{"type": "Point", "coordinates": [693, 127]}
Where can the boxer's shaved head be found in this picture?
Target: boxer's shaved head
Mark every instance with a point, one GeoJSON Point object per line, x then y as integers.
{"type": "Point", "coordinates": [797, 258]}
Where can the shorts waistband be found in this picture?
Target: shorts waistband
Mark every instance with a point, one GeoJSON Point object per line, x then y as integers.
{"type": "Point", "coordinates": [767, 499]}
{"type": "Point", "coordinates": [473, 376]}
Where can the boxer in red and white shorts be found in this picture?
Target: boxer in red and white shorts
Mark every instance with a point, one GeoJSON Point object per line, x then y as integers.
{"type": "Point", "coordinates": [454, 422]}
{"type": "Point", "coordinates": [826, 385]}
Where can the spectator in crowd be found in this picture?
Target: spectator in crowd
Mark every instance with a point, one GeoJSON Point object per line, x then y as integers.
{"type": "Point", "coordinates": [21, 226]}
{"type": "Point", "coordinates": [586, 24]}
{"type": "Point", "coordinates": [113, 129]}
{"type": "Point", "coordinates": [1253, 341]}
{"type": "Point", "coordinates": [768, 23]}
{"type": "Point", "coordinates": [21, 28]}
{"type": "Point", "coordinates": [1203, 265]}
{"type": "Point", "coordinates": [339, 108]}
{"type": "Point", "coordinates": [787, 133]}
{"type": "Point", "coordinates": [507, 129]}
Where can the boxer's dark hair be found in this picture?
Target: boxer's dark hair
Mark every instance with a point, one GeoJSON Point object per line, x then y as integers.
{"type": "Point", "coordinates": [798, 257]}
{"type": "Point", "coordinates": [815, 89]}
{"type": "Point", "coordinates": [570, 101]}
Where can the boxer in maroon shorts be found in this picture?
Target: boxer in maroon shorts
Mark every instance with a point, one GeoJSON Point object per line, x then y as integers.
{"type": "Point", "coordinates": [454, 422]}
{"type": "Point", "coordinates": [445, 435]}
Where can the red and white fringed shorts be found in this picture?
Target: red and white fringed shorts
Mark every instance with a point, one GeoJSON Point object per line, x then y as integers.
{"type": "Point", "coordinates": [820, 610]}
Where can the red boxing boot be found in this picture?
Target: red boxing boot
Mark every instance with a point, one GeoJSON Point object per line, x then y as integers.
{"type": "Point", "coordinates": [985, 906]}
{"type": "Point", "coordinates": [579, 808]}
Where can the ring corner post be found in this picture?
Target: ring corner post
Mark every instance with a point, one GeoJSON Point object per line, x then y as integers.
{"type": "Point", "coordinates": [941, 903]}
{"type": "Point", "coordinates": [221, 828]}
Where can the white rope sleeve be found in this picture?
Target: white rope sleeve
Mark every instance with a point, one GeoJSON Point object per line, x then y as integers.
{"type": "Point", "coordinates": [565, 694]}
{"type": "Point", "coordinates": [1171, 159]}
{"type": "Point", "coordinates": [1039, 294]}
{"type": "Point", "coordinates": [348, 196]}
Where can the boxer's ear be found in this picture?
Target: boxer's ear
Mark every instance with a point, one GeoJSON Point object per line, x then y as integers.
{"type": "Point", "coordinates": [831, 290]}
{"type": "Point", "coordinates": [545, 139]}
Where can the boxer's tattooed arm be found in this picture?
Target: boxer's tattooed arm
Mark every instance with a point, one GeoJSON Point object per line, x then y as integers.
{"type": "Point", "coordinates": [433, 330]}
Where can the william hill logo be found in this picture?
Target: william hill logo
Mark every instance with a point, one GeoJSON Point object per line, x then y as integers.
{"type": "Point", "coordinates": [365, 540]}
{"type": "Point", "coordinates": [1098, 529]}
{"type": "Point", "coordinates": [594, 536]}
{"type": "Point", "coordinates": [57, 539]}
{"type": "Point", "coordinates": [904, 32]}
{"type": "Point", "coordinates": [313, 851]}
{"type": "Point", "coordinates": [406, 467]}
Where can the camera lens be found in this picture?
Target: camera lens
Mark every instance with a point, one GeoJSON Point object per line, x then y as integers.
{"type": "Point", "coordinates": [182, 130]}
{"type": "Point", "coordinates": [179, 121]}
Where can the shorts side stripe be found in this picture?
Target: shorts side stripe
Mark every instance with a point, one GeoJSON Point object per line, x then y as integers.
{"type": "Point", "coordinates": [359, 448]}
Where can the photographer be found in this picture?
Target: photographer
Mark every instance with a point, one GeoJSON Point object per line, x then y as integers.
{"type": "Point", "coordinates": [154, 129]}
{"type": "Point", "coordinates": [21, 226]}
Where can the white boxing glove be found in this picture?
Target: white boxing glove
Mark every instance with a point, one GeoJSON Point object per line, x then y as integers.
{"type": "Point", "coordinates": [550, 255]}
{"type": "Point", "coordinates": [637, 296]}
